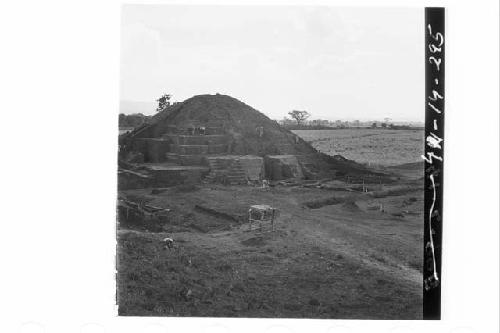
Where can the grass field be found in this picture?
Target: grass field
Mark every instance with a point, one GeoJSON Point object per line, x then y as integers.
{"type": "Point", "coordinates": [382, 147]}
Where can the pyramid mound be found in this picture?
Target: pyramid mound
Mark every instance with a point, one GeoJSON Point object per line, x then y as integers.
{"type": "Point", "coordinates": [229, 127]}
{"type": "Point", "coordinates": [252, 132]}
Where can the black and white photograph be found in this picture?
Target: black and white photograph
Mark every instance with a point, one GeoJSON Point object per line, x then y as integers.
{"type": "Point", "coordinates": [270, 162]}
{"type": "Point", "coordinates": [248, 166]}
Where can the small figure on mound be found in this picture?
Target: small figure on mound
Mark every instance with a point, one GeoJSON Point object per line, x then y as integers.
{"type": "Point", "coordinates": [382, 209]}
{"type": "Point", "coordinates": [260, 131]}
{"type": "Point", "coordinates": [169, 243]}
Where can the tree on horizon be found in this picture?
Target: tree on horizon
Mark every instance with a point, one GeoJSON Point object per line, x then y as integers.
{"type": "Point", "coordinates": [163, 102]}
{"type": "Point", "coordinates": [299, 116]}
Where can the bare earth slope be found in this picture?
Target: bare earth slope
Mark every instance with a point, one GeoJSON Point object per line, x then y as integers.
{"type": "Point", "coordinates": [346, 259]}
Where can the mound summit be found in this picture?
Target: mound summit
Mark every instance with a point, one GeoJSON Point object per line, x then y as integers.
{"type": "Point", "coordinates": [208, 127]}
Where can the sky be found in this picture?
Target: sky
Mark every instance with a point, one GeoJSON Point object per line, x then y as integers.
{"type": "Point", "coordinates": [334, 62]}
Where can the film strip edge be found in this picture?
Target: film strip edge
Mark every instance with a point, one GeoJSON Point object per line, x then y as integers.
{"type": "Point", "coordinates": [433, 156]}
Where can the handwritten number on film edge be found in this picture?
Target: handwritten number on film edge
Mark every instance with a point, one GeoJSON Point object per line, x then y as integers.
{"type": "Point", "coordinates": [434, 142]}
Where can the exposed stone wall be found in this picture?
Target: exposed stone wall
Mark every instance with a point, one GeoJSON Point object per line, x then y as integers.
{"type": "Point", "coordinates": [132, 180]}
{"type": "Point", "coordinates": [252, 166]}
{"type": "Point", "coordinates": [181, 139]}
{"type": "Point", "coordinates": [164, 177]}
{"type": "Point", "coordinates": [154, 150]}
{"type": "Point", "coordinates": [280, 167]}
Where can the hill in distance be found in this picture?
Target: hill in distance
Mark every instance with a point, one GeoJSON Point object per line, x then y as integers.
{"type": "Point", "coordinates": [130, 107]}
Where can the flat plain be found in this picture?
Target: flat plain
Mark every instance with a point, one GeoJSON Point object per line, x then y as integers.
{"type": "Point", "coordinates": [374, 147]}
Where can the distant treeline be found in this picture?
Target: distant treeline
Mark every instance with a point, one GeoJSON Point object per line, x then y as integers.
{"type": "Point", "coordinates": [132, 120]}
{"type": "Point", "coordinates": [309, 127]}
{"type": "Point", "coordinates": [319, 127]}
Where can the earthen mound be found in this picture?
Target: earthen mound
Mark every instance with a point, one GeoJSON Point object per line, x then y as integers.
{"type": "Point", "coordinates": [228, 127]}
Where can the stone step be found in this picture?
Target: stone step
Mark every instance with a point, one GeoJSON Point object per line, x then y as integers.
{"type": "Point", "coordinates": [167, 175]}
{"type": "Point", "coordinates": [236, 176]}
{"type": "Point", "coordinates": [172, 157]}
{"type": "Point", "coordinates": [216, 165]}
{"type": "Point", "coordinates": [197, 139]}
{"type": "Point", "coordinates": [188, 131]}
{"type": "Point", "coordinates": [189, 149]}
{"type": "Point", "coordinates": [217, 149]}
{"type": "Point", "coordinates": [236, 182]}
{"type": "Point", "coordinates": [232, 173]}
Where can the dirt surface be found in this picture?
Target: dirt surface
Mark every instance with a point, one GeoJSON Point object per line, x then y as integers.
{"type": "Point", "coordinates": [352, 255]}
